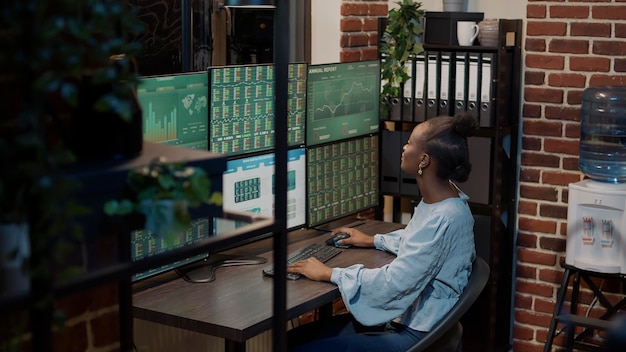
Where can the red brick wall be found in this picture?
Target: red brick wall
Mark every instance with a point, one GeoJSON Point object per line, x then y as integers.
{"type": "Point", "coordinates": [359, 29]}
{"type": "Point", "coordinates": [84, 321]}
{"type": "Point", "coordinates": [91, 321]}
{"type": "Point", "coordinates": [569, 45]}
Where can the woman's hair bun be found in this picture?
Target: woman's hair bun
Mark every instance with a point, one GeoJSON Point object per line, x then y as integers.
{"type": "Point", "coordinates": [465, 124]}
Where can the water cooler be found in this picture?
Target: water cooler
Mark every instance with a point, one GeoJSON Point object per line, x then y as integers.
{"type": "Point", "coordinates": [596, 216]}
{"type": "Point", "coordinates": [596, 227]}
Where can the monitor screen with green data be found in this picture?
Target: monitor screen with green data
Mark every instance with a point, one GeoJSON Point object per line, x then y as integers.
{"type": "Point", "coordinates": [342, 178]}
{"type": "Point", "coordinates": [144, 244]}
{"type": "Point", "coordinates": [175, 109]}
{"type": "Point", "coordinates": [241, 108]}
{"type": "Point", "coordinates": [342, 101]}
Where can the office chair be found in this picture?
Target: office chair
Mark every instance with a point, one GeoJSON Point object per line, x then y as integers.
{"type": "Point", "coordinates": [446, 334]}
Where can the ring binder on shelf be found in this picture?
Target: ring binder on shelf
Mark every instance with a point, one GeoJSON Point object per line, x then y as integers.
{"type": "Point", "coordinates": [419, 110]}
{"type": "Point", "coordinates": [461, 80]}
{"type": "Point", "coordinates": [486, 112]}
{"type": "Point", "coordinates": [432, 84]}
{"type": "Point", "coordinates": [385, 99]}
{"type": "Point", "coordinates": [396, 107]}
{"type": "Point", "coordinates": [474, 84]}
{"type": "Point", "coordinates": [407, 96]}
{"type": "Point", "coordinates": [444, 89]}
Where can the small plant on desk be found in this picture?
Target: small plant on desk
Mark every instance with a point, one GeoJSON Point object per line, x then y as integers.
{"type": "Point", "coordinates": [164, 192]}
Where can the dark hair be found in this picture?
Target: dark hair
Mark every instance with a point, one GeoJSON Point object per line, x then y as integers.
{"type": "Point", "coordinates": [446, 141]}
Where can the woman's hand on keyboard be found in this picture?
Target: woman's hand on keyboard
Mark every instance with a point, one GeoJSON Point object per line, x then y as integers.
{"type": "Point", "coordinates": [357, 238]}
{"type": "Point", "coordinates": [312, 268]}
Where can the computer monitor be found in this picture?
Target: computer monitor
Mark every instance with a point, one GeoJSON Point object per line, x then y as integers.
{"type": "Point", "coordinates": [202, 267]}
{"type": "Point", "coordinates": [342, 178]}
{"type": "Point", "coordinates": [248, 185]}
{"type": "Point", "coordinates": [175, 109]}
{"type": "Point", "coordinates": [342, 101]}
{"type": "Point", "coordinates": [241, 108]}
{"type": "Point", "coordinates": [144, 244]}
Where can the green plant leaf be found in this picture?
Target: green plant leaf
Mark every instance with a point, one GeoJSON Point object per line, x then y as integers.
{"type": "Point", "coordinates": [115, 207]}
{"type": "Point", "coordinates": [399, 43]}
{"type": "Point", "coordinates": [216, 198]}
{"type": "Point", "coordinates": [162, 180]}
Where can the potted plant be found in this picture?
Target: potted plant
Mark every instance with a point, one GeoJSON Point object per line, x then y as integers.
{"type": "Point", "coordinates": [164, 192]}
{"type": "Point", "coordinates": [400, 42]}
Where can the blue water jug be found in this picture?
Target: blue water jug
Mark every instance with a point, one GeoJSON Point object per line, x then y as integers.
{"type": "Point", "coordinates": [603, 134]}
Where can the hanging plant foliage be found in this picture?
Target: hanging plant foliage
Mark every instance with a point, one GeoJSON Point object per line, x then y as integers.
{"type": "Point", "coordinates": [400, 42]}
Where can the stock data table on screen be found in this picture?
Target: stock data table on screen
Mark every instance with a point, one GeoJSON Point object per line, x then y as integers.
{"type": "Point", "coordinates": [241, 107]}
{"type": "Point", "coordinates": [342, 178]}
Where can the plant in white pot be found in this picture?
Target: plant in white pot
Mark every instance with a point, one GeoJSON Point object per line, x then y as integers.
{"type": "Point", "coordinates": [164, 192]}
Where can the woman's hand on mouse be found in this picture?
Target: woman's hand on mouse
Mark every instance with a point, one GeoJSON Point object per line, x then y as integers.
{"type": "Point", "coordinates": [357, 238]}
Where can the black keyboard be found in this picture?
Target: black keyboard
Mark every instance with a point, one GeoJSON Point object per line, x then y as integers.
{"type": "Point", "coordinates": [322, 252]}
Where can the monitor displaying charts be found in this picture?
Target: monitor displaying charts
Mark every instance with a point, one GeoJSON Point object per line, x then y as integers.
{"type": "Point", "coordinates": [248, 185]}
{"type": "Point", "coordinates": [342, 101]}
{"type": "Point", "coordinates": [144, 244]}
{"type": "Point", "coordinates": [241, 111]}
{"type": "Point", "coordinates": [175, 109]}
{"type": "Point", "coordinates": [342, 178]}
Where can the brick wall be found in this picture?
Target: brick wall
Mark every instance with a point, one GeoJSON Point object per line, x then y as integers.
{"type": "Point", "coordinates": [359, 29]}
{"type": "Point", "coordinates": [83, 321]}
{"type": "Point", "coordinates": [569, 45]}
{"type": "Point", "coordinates": [91, 321]}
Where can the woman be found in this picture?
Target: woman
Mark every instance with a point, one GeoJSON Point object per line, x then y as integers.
{"type": "Point", "coordinates": [392, 307]}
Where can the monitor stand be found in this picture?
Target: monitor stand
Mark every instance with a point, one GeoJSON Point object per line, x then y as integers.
{"type": "Point", "coordinates": [204, 270]}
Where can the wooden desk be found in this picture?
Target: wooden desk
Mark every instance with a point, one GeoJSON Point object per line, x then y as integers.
{"type": "Point", "coordinates": [238, 304]}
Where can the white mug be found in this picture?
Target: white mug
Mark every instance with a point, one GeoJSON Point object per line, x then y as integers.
{"type": "Point", "coordinates": [466, 32]}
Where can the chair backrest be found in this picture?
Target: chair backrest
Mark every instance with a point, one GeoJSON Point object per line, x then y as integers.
{"type": "Point", "coordinates": [477, 281]}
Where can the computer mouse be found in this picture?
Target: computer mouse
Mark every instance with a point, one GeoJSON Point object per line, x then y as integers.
{"type": "Point", "coordinates": [332, 241]}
